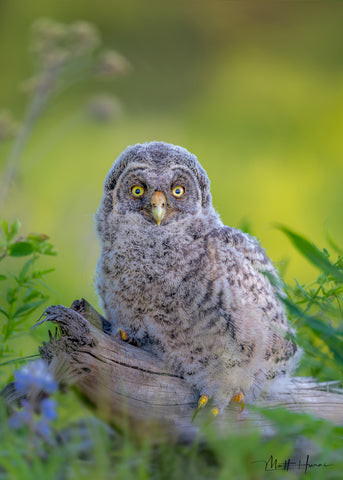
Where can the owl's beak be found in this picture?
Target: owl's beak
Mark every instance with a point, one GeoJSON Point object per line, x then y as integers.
{"type": "Point", "coordinates": [158, 203]}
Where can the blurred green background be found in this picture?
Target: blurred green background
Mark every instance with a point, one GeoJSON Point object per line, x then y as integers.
{"type": "Point", "coordinates": [254, 89]}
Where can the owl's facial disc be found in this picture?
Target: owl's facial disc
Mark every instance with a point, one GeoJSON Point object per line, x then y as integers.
{"type": "Point", "coordinates": [161, 195]}
{"type": "Point", "coordinates": [158, 206]}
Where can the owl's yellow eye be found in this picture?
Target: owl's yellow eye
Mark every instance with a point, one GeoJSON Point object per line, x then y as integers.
{"type": "Point", "coordinates": [137, 191]}
{"type": "Point", "coordinates": [178, 191]}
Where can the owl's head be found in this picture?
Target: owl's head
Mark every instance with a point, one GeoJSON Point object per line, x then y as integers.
{"type": "Point", "coordinates": [159, 181]}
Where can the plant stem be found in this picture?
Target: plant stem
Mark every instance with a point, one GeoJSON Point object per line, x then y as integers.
{"type": "Point", "coordinates": [11, 166]}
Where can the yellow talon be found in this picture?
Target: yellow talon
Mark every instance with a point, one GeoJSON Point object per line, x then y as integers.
{"type": "Point", "coordinates": [239, 398]}
{"type": "Point", "coordinates": [215, 411]}
{"type": "Point", "coordinates": [123, 335]}
{"type": "Point", "coordinates": [202, 401]}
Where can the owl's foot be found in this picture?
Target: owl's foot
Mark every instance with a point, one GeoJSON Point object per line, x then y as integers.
{"type": "Point", "coordinates": [215, 411]}
{"type": "Point", "coordinates": [122, 335]}
{"type": "Point", "coordinates": [201, 403]}
{"type": "Point", "coordinates": [239, 398]}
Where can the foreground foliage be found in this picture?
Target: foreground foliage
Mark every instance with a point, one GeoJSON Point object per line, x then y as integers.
{"type": "Point", "coordinates": [23, 289]}
{"type": "Point", "coordinates": [316, 310]}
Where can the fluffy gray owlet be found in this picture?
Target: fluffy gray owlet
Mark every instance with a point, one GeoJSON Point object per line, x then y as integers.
{"type": "Point", "coordinates": [196, 293]}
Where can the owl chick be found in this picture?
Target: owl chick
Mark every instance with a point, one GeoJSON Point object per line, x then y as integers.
{"type": "Point", "coordinates": [201, 296]}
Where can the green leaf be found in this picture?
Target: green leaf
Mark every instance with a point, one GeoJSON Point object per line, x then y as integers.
{"type": "Point", "coordinates": [20, 249]}
{"type": "Point", "coordinates": [332, 337]}
{"type": "Point", "coordinates": [25, 269]}
{"type": "Point", "coordinates": [38, 237]}
{"type": "Point", "coordinates": [20, 359]}
{"type": "Point", "coordinates": [11, 295]}
{"type": "Point", "coordinates": [3, 277]}
{"type": "Point", "coordinates": [47, 249]}
{"type": "Point", "coordinates": [293, 309]}
{"type": "Point", "coordinates": [28, 308]}
{"type": "Point", "coordinates": [31, 294]}
{"type": "Point", "coordinates": [14, 229]}
{"type": "Point", "coordinates": [312, 253]}
{"type": "Point", "coordinates": [4, 312]}
{"type": "Point", "coordinates": [322, 329]}
{"type": "Point", "coordinates": [4, 228]}
{"type": "Point", "coordinates": [50, 252]}
{"type": "Point", "coordinates": [42, 273]}
{"type": "Point", "coordinates": [302, 290]}
{"type": "Point", "coordinates": [333, 244]}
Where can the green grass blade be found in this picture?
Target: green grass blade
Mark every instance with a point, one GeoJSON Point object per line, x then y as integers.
{"type": "Point", "coordinates": [312, 253]}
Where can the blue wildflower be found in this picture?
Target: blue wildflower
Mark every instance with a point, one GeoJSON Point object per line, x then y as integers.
{"type": "Point", "coordinates": [48, 409]}
{"type": "Point", "coordinates": [43, 428]}
{"type": "Point", "coordinates": [37, 410]}
{"type": "Point", "coordinates": [35, 377]}
{"type": "Point", "coordinates": [23, 417]}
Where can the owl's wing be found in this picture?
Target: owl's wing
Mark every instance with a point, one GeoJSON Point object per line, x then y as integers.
{"type": "Point", "coordinates": [252, 252]}
{"type": "Point", "coordinates": [255, 284]}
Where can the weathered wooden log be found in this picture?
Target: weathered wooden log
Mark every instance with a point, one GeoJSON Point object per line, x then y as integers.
{"type": "Point", "coordinates": [134, 389]}
{"type": "Point", "coordinates": [128, 386]}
